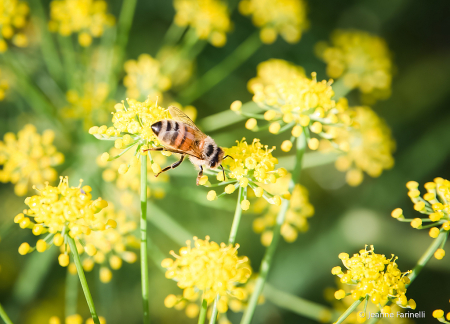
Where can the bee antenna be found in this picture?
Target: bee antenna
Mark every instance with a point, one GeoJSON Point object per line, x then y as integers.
{"type": "Point", "coordinates": [228, 156]}
{"type": "Point", "coordinates": [223, 171]}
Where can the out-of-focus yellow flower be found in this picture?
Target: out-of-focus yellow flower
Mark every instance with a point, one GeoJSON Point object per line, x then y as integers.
{"type": "Point", "coordinates": [145, 78]}
{"type": "Point", "coordinates": [109, 247]}
{"type": "Point", "coordinates": [75, 319]}
{"type": "Point", "coordinates": [214, 269]}
{"type": "Point", "coordinates": [366, 143]}
{"type": "Point", "coordinates": [363, 61]}
{"type": "Point", "coordinates": [88, 18]}
{"type": "Point", "coordinates": [13, 19]}
{"type": "Point", "coordinates": [274, 70]}
{"type": "Point", "coordinates": [277, 17]}
{"type": "Point", "coordinates": [374, 277]}
{"type": "Point", "coordinates": [131, 179]}
{"type": "Point", "coordinates": [439, 315]}
{"type": "Point", "coordinates": [435, 204]}
{"type": "Point", "coordinates": [209, 18]}
{"type": "Point", "coordinates": [61, 211]}
{"type": "Point", "coordinates": [343, 304]}
{"type": "Point", "coordinates": [91, 106]}
{"type": "Point", "coordinates": [28, 158]}
{"type": "Point", "coordinates": [3, 86]}
{"type": "Point", "coordinates": [175, 65]}
{"type": "Point", "coordinates": [300, 209]}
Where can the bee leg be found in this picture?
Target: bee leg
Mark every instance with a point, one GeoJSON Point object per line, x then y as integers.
{"type": "Point", "coordinates": [223, 171]}
{"type": "Point", "coordinates": [173, 166]}
{"type": "Point", "coordinates": [200, 174]}
{"type": "Point", "coordinates": [155, 149]}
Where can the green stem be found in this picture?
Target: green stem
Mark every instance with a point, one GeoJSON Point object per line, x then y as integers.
{"type": "Point", "coordinates": [70, 60]}
{"type": "Point", "coordinates": [4, 316]}
{"type": "Point", "coordinates": [71, 294]}
{"type": "Point", "coordinates": [221, 70]}
{"type": "Point", "coordinates": [270, 251]}
{"type": "Point", "coordinates": [84, 285]}
{"type": "Point", "coordinates": [144, 258]}
{"type": "Point", "coordinates": [237, 218]}
{"type": "Point", "coordinates": [213, 318]}
{"type": "Point", "coordinates": [349, 310]}
{"type": "Point", "coordinates": [298, 305]}
{"type": "Point", "coordinates": [173, 34]}
{"type": "Point", "coordinates": [48, 47]}
{"type": "Point", "coordinates": [340, 89]}
{"type": "Point", "coordinates": [427, 256]}
{"type": "Point", "coordinates": [202, 316]}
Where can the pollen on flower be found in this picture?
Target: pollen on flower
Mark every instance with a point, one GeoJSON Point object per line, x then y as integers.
{"type": "Point", "coordinates": [286, 18]}
{"type": "Point", "coordinates": [207, 266]}
{"type": "Point", "coordinates": [210, 19]}
{"type": "Point", "coordinates": [363, 61]}
{"type": "Point", "coordinates": [88, 18]}
{"type": "Point", "coordinates": [28, 158]}
{"type": "Point", "coordinates": [375, 276]}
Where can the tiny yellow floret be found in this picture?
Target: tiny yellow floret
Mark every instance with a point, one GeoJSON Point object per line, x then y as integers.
{"type": "Point", "coordinates": [236, 105]}
{"type": "Point", "coordinates": [63, 260]}
{"type": "Point", "coordinates": [438, 313]}
{"type": "Point", "coordinates": [211, 195]}
{"type": "Point", "coordinates": [41, 246]}
{"type": "Point", "coordinates": [24, 248]}
{"type": "Point", "coordinates": [286, 146]}
{"type": "Point", "coordinates": [397, 213]}
{"type": "Point", "coordinates": [439, 254]}
{"type": "Point", "coordinates": [416, 223]}
{"type": "Point", "coordinates": [434, 232]}
{"type": "Point", "coordinates": [230, 189]}
{"type": "Point", "coordinates": [251, 123]}
{"type": "Point", "coordinates": [245, 204]}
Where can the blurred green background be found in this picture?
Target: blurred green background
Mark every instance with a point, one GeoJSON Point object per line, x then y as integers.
{"type": "Point", "coordinates": [32, 287]}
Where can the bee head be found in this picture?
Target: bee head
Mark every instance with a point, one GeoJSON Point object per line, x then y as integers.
{"type": "Point", "coordinates": [216, 158]}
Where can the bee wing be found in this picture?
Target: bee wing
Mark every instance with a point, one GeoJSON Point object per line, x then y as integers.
{"type": "Point", "coordinates": [181, 116]}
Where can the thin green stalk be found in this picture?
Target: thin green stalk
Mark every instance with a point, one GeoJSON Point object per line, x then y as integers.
{"type": "Point", "coordinates": [340, 89]}
{"type": "Point", "coordinates": [221, 70]}
{"type": "Point", "coordinates": [203, 311]}
{"type": "Point", "coordinates": [237, 218]}
{"type": "Point", "coordinates": [173, 34]}
{"type": "Point", "coordinates": [84, 284]}
{"type": "Point", "coordinates": [48, 46]}
{"type": "Point", "coordinates": [71, 294]}
{"type": "Point", "coordinates": [349, 311]}
{"type": "Point", "coordinates": [69, 59]}
{"type": "Point", "coordinates": [299, 305]}
{"type": "Point", "coordinates": [270, 251]}
{"type": "Point", "coordinates": [213, 318]}
{"type": "Point", "coordinates": [4, 316]}
{"type": "Point", "coordinates": [144, 254]}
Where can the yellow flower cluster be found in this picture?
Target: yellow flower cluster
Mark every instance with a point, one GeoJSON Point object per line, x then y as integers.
{"type": "Point", "coordinates": [131, 179]}
{"type": "Point", "coordinates": [4, 86]}
{"type": "Point", "coordinates": [75, 319]}
{"type": "Point", "coordinates": [175, 65]}
{"type": "Point", "coordinates": [439, 315]}
{"type": "Point", "coordinates": [300, 209]}
{"type": "Point", "coordinates": [213, 269]}
{"type": "Point", "coordinates": [275, 70]}
{"type": "Point", "coordinates": [13, 18]}
{"type": "Point", "coordinates": [361, 313]}
{"type": "Point", "coordinates": [109, 246]}
{"type": "Point", "coordinates": [366, 143]}
{"type": "Point", "coordinates": [277, 17]}
{"type": "Point", "coordinates": [209, 18]}
{"type": "Point", "coordinates": [249, 165]}
{"type": "Point", "coordinates": [376, 278]}
{"type": "Point", "coordinates": [132, 129]}
{"type": "Point", "coordinates": [28, 158]}
{"type": "Point", "coordinates": [225, 303]}
{"type": "Point", "coordinates": [92, 105]}
{"type": "Point", "coordinates": [435, 204]}
{"type": "Point", "coordinates": [88, 18]}
{"type": "Point", "coordinates": [363, 61]}
{"type": "Point", "coordinates": [61, 211]}
{"type": "Point", "coordinates": [145, 78]}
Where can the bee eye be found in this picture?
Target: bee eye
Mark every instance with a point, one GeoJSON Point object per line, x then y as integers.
{"type": "Point", "coordinates": [156, 127]}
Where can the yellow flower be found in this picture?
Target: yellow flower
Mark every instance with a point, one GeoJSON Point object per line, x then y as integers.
{"type": "Point", "coordinates": [28, 158]}
{"type": "Point", "coordinates": [375, 277]}
{"type": "Point", "coordinates": [209, 18]}
{"type": "Point", "coordinates": [274, 70]}
{"type": "Point", "coordinates": [208, 267]}
{"type": "Point", "coordinates": [91, 106]}
{"type": "Point", "coordinates": [13, 19]}
{"type": "Point", "coordinates": [75, 319]}
{"type": "Point", "coordinates": [145, 78]}
{"type": "Point", "coordinates": [363, 61]}
{"type": "Point", "coordinates": [300, 209]}
{"type": "Point", "coordinates": [109, 247]}
{"type": "Point", "coordinates": [62, 210]}
{"type": "Point", "coordinates": [277, 17]}
{"type": "Point", "coordinates": [367, 144]}
{"type": "Point", "coordinates": [88, 18]}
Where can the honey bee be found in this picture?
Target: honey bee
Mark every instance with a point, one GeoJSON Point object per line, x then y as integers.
{"type": "Point", "coordinates": [180, 135]}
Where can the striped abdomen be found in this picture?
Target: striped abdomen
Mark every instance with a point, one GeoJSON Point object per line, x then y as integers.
{"type": "Point", "coordinates": [174, 134]}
